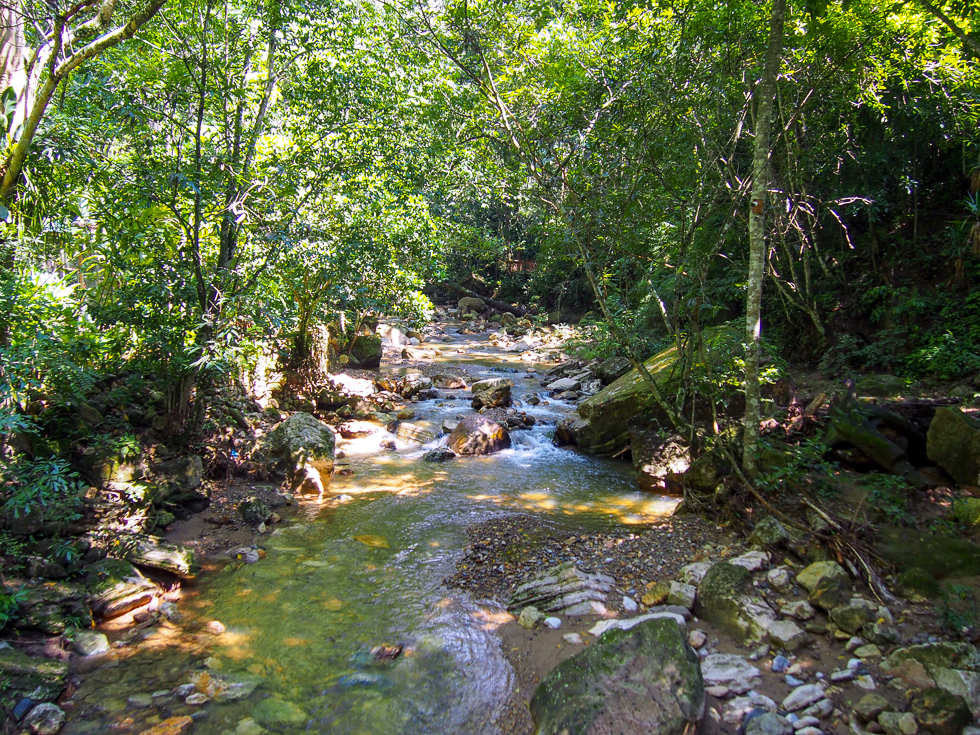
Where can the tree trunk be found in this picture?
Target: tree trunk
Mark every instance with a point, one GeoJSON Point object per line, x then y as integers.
{"type": "Point", "coordinates": [765, 94]}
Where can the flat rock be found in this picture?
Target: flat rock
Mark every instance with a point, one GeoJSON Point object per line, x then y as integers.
{"type": "Point", "coordinates": [736, 709]}
{"type": "Point", "coordinates": [802, 697]}
{"type": "Point", "coordinates": [626, 623]}
{"type": "Point", "coordinates": [787, 635]}
{"type": "Point", "coordinates": [730, 670]}
{"type": "Point", "coordinates": [754, 561]}
{"type": "Point", "coordinates": [562, 589]}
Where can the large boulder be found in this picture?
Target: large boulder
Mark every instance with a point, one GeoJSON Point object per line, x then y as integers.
{"type": "Point", "coordinates": [301, 441]}
{"type": "Point", "coordinates": [726, 598]}
{"type": "Point", "coordinates": [658, 460]}
{"type": "Point", "coordinates": [953, 442]}
{"type": "Point", "coordinates": [38, 678]}
{"type": "Point", "coordinates": [478, 435]}
{"type": "Point", "coordinates": [52, 606]}
{"type": "Point", "coordinates": [941, 556]}
{"type": "Point", "coordinates": [828, 584]}
{"type": "Point", "coordinates": [366, 350]}
{"type": "Point", "coordinates": [154, 553]}
{"type": "Point", "coordinates": [471, 303]}
{"type": "Point", "coordinates": [178, 480]}
{"type": "Point", "coordinates": [599, 425]}
{"type": "Point", "coordinates": [491, 393]}
{"type": "Point", "coordinates": [630, 682]}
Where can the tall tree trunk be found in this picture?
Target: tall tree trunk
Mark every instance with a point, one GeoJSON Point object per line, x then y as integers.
{"type": "Point", "coordinates": [765, 93]}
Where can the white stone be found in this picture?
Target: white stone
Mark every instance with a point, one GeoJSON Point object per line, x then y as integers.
{"type": "Point", "coordinates": [697, 638]}
{"type": "Point", "coordinates": [719, 691]}
{"type": "Point", "coordinates": [573, 639]}
{"type": "Point", "coordinates": [780, 578]}
{"type": "Point", "coordinates": [806, 721]}
{"type": "Point", "coordinates": [726, 669]}
{"type": "Point", "coordinates": [629, 604]}
{"type": "Point", "coordinates": [44, 719]}
{"type": "Point", "coordinates": [802, 696]}
{"type": "Point", "coordinates": [822, 709]}
{"type": "Point", "coordinates": [752, 560]}
{"type": "Point", "coordinates": [553, 623]}
{"type": "Point", "coordinates": [682, 594]}
{"type": "Point", "coordinates": [865, 682]}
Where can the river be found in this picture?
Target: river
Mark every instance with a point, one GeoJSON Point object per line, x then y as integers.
{"type": "Point", "coordinates": [343, 578]}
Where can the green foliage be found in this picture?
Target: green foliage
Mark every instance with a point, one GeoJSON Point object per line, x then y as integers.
{"type": "Point", "coordinates": [945, 358]}
{"type": "Point", "coordinates": [889, 494]}
{"type": "Point", "coordinates": [957, 608]}
{"type": "Point", "coordinates": [45, 486]}
{"type": "Point", "coordinates": [9, 602]}
{"type": "Point", "coordinates": [786, 465]}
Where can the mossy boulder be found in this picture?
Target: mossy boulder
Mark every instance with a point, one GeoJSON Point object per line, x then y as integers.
{"type": "Point", "coordinates": [22, 675]}
{"type": "Point", "coordinates": [917, 585]}
{"type": "Point", "coordinates": [366, 350]}
{"type": "Point", "coordinates": [953, 442]}
{"type": "Point", "coordinates": [631, 682]}
{"type": "Point", "coordinates": [943, 654]}
{"type": "Point", "coordinates": [768, 532]}
{"type": "Point", "coordinates": [300, 441]}
{"type": "Point", "coordinates": [941, 556]}
{"type": "Point", "coordinates": [478, 435]}
{"type": "Point", "coordinates": [939, 712]}
{"type": "Point", "coordinates": [727, 599]}
{"type": "Point", "coordinates": [599, 425]}
{"type": "Point", "coordinates": [880, 386]}
{"type": "Point", "coordinates": [828, 584]}
{"type": "Point", "coordinates": [52, 606]}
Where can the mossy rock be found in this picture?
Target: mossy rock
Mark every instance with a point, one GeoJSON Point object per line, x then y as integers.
{"type": "Point", "coordinates": [726, 599]}
{"type": "Point", "coordinates": [939, 712]}
{"type": "Point", "coordinates": [366, 350]}
{"type": "Point", "coordinates": [941, 556]}
{"type": "Point", "coordinates": [274, 711]}
{"type": "Point", "coordinates": [880, 386]}
{"type": "Point", "coordinates": [52, 607]}
{"type": "Point", "coordinates": [632, 682]}
{"type": "Point", "coordinates": [942, 654]}
{"type": "Point", "coordinates": [39, 678]}
{"type": "Point", "coordinates": [953, 442]}
{"type": "Point", "coordinates": [917, 585]}
{"type": "Point", "coordinates": [768, 532]}
{"type": "Point", "coordinates": [967, 511]}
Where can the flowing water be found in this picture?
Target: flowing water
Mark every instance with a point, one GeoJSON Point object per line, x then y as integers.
{"type": "Point", "coordinates": [343, 578]}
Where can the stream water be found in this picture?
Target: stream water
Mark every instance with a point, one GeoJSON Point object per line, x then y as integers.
{"type": "Point", "coordinates": [344, 578]}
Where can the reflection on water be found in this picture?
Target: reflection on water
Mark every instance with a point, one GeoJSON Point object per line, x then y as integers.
{"type": "Point", "coordinates": [352, 577]}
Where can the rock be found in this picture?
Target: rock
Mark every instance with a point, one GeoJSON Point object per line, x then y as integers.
{"type": "Point", "coordinates": [768, 723]}
{"type": "Point", "coordinates": [440, 454]}
{"type": "Point", "coordinates": [953, 442]}
{"type": "Point", "coordinates": [299, 441]}
{"type": "Point", "coordinates": [730, 670]}
{"type": "Point", "coordinates": [357, 429]}
{"type": "Point", "coordinates": [786, 635]}
{"type": "Point", "coordinates": [51, 606]}
{"type": "Point", "coordinates": [530, 617]}
{"type": "Point", "coordinates": [853, 617]}
{"type": "Point", "coordinates": [599, 425]}
{"type": "Point", "coordinates": [697, 638]}
{"type": "Point", "coordinates": [596, 691]}
{"type": "Point", "coordinates": [224, 688]}
{"type": "Point", "coordinates": [178, 479]}
{"type": "Point", "coordinates": [414, 383]}
{"type": "Point", "coordinates": [626, 623]}
{"type": "Point", "coordinates": [629, 605]}
{"type": "Point", "coordinates": [155, 553]}
{"type": "Point", "coordinates": [171, 726]}
{"type": "Point", "coordinates": [967, 511]}
{"type": "Point", "coordinates": [780, 664]}
{"type": "Point", "coordinates": [116, 587]}
{"type": "Point", "coordinates": [718, 692]}
{"type": "Point", "coordinates": [44, 719]}
{"type": "Point", "coordinates": [827, 582]}
{"type": "Point", "coordinates": [694, 573]}
{"type": "Point", "coordinates": [917, 585]}
{"type": "Point", "coordinates": [943, 654]}
{"type": "Point", "coordinates": [939, 555]}
{"type": "Point", "coordinates": [657, 460]}
{"type": "Point", "coordinates": [613, 369]}
{"type": "Point", "coordinates": [656, 594]}
{"type": "Point", "coordinates": [682, 594]}
{"type": "Point", "coordinates": [196, 700]}
{"type": "Point", "coordinates": [366, 351]}
{"type": "Point", "coordinates": [492, 393]}
{"type": "Point", "coordinates": [471, 303]}
{"type": "Point", "coordinates": [768, 532]}
{"type": "Point", "coordinates": [939, 712]}
{"type": "Point", "coordinates": [727, 599]}
{"type": "Point", "coordinates": [754, 561]}
{"type": "Point", "coordinates": [245, 554]}
{"type": "Point", "coordinates": [90, 642]}
{"type": "Point", "coordinates": [564, 590]}
{"type": "Point", "coordinates": [881, 634]}
{"type": "Point", "coordinates": [254, 511]}
{"type": "Point", "coordinates": [552, 623]}
{"type": "Point", "coordinates": [799, 610]}
{"type": "Point", "coordinates": [478, 435]}
{"type": "Point", "coordinates": [821, 710]}
{"type": "Point", "coordinates": [802, 697]}
{"type": "Point", "coordinates": [870, 706]}
{"type": "Point", "coordinates": [36, 678]}
{"type": "Point", "coordinates": [307, 481]}
{"type": "Point", "coordinates": [880, 386]}
{"type": "Point", "coordinates": [869, 650]}
{"type": "Point", "coordinates": [572, 639]}
{"type": "Point", "coordinates": [274, 712]}
{"type": "Point", "coordinates": [898, 723]}
{"type": "Point", "coordinates": [736, 709]}
{"type": "Point", "coordinates": [563, 384]}
{"type": "Point", "coordinates": [965, 684]}
{"type": "Point", "coordinates": [413, 433]}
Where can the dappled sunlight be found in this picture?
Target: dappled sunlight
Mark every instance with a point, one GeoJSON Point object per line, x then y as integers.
{"type": "Point", "coordinates": [630, 510]}
{"type": "Point", "coordinates": [493, 619]}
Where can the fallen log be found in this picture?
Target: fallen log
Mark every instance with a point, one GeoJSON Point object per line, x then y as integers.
{"type": "Point", "coordinates": [498, 305]}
